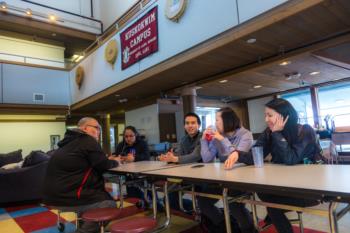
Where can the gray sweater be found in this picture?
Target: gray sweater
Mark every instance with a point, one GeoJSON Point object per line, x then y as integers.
{"type": "Point", "coordinates": [189, 150]}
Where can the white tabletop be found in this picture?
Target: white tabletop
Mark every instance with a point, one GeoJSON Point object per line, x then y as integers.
{"type": "Point", "coordinates": [329, 180]}
{"type": "Point", "coordinates": [142, 166]}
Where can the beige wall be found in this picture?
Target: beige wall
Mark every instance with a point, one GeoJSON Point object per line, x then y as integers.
{"type": "Point", "coordinates": [110, 10]}
{"type": "Point", "coordinates": [30, 49]}
{"type": "Point", "coordinates": [28, 136]}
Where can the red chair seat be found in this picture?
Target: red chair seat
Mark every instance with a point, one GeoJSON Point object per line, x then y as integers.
{"type": "Point", "coordinates": [134, 225]}
{"type": "Point", "coordinates": [101, 214]}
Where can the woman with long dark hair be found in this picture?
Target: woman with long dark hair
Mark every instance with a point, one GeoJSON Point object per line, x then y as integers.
{"type": "Point", "coordinates": [224, 143]}
{"type": "Point", "coordinates": [133, 149]}
{"type": "Point", "coordinates": [289, 143]}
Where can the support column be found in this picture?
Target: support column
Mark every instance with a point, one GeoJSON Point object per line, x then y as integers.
{"type": "Point", "coordinates": [189, 101]}
{"type": "Point", "coordinates": [315, 106]}
{"type": "Point", "coordinates": [106, 140]}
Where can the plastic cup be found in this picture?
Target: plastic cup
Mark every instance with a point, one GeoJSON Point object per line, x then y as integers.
{"type": "Point", "coordinates": [210, 133]}
{"type": "Point", "coordinates": [258, 156]}
{"type": "Point", "coordinates": [208, 137]}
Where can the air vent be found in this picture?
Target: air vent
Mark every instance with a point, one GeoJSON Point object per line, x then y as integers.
{"type": "Point", "coordinates": [38, 97]}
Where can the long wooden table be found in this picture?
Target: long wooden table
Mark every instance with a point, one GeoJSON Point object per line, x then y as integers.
{"type": "Point", "coordinates": [329, 183]}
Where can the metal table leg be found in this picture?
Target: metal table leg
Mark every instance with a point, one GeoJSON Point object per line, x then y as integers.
{"type": "Point", "coordinates": [333, 219]}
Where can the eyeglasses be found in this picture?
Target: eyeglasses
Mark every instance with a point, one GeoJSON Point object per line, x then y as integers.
{"type": "Point", "coordinates": [98, 128]}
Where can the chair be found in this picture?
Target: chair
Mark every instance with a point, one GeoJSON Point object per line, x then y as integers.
{"type": "Point", "coordinates": [329, 151]}
{"type": "Point", "coordinates": [101, 216]}
{"type": "Point", "coordinates": [339, 139]}
{"type": "Point", "coordinates": [134, 225]}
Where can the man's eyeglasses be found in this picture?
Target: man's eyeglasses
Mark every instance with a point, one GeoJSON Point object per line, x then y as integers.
{"type": "Point", "coordinates": [98, 128]}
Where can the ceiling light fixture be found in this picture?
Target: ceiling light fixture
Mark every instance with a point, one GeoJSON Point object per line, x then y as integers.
{"type": "Point", "coordinates": [223, 81]}
{"type": "Point", "coordinates": [52, 17]}
{"type": "Point", "coordinates": [284, 63]}
{"type": "Point", "coordinates": [3, 5]}
{"type": "Point", "coordinates": [29, 12]}
{"type": "Point", "coordinates": [251, 40]}
{"type": "Point", "coordinates": [314, 73]}
{"type": "Point", "coordinates": [123, 100]}
{"type": "Point", "coordinates": [257, 86]}
{"type": "Point", "coordinates": [116, 95]}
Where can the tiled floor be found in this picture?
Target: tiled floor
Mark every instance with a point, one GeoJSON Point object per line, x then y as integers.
{"type": "Point", "coordinates": [41, 219]}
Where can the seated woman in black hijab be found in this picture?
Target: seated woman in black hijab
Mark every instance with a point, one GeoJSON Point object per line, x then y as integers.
{"type": "Point", "coordinates": [288, 143]}
{"type": "Point", "coordinates": [132, 149]}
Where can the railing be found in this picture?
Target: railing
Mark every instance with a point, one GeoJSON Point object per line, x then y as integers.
{"type": "Point", "coordinates": [8, 58]}
{"type": "Point", "coordinates": [135, 10]}
{"type": "Point", "coordinates": [62, 17]}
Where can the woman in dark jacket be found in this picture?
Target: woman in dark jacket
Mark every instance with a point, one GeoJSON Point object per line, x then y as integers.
{"type": "Point", "coordinates": [288, 143]}
{"type": "Point", "coordinates": [132, 149]}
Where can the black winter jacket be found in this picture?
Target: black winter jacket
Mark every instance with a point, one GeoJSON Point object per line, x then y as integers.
{"type": "Point", "coordinates": [282, 152]}
{"type": "Point", "coordinates": [74, 173]}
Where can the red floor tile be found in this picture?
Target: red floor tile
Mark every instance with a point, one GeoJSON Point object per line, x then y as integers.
{"type": "Point", "coordinates": [37, 221]}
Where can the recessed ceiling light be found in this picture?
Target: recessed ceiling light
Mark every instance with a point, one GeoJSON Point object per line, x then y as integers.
{"type": "Point", "coordinates": [251, 40]}
{"type": "Point", "coordinates": [198, 87]}
{"type": "Point", "coordinates": [3, 5]}
{"type": "Point", "coordinates": [223, 81]}
{"type": "Point", "coordinates": [52, 17]}
{"type": "Point", "coordinates": [123, 100]}
{"type": "Point", "coordinates": [314, 73]}
{"type": "Point", "coordinates": [29, 12]}
{"type": "Point", "coordinates": [284, 63]}
{"type": "Point", "coordinates": [116, 95]}
{"type": "Point", "coordinates": [257, 86]}
{"type": "Point", "coordinates": [53, 34]}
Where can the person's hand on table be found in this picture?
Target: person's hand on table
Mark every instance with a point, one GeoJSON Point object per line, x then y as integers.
{"type": "Point", "coordinates": [169, 157]}
{"type": "Point", "coordinates": [115, 158]}
{"type": "Point", "coordinates": [231, 160]}
{"type": "Point", "coordinates": [129, 158]}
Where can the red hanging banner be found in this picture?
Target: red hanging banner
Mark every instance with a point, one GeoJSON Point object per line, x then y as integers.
{"type": "Point", "coordinates": [140, 39]}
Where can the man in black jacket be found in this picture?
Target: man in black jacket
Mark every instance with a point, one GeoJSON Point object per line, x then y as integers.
{"type": "Point", "coordinates": [74, 180]}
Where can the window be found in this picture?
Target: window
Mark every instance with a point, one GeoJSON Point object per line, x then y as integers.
{"type": "Point", "coordinates": [207, 116]}
{"type": "Point", "coordinates": [335, 103]}
{"type": "Point", "coordinates": [301, 101]}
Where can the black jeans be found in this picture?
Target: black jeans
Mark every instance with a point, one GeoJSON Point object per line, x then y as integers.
{"type": "Point", "coordinates": [237, 210]}
{"type": "Point", "coordinates": [174, 202]}
{"type": "Point", "coordinates": [278, 216]}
